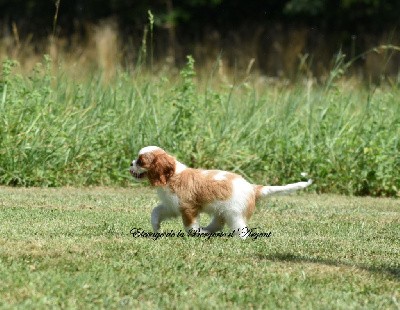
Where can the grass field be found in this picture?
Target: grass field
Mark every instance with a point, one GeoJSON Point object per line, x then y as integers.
{"type": "Point", "coordinates": [72, 248]}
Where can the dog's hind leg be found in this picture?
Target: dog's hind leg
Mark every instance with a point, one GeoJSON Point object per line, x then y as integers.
{"type": "Point", "coordinates": [238, 225]}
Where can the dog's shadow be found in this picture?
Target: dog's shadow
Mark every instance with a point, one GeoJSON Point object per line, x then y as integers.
{"type": "Point", "coordinates": [383, 269]}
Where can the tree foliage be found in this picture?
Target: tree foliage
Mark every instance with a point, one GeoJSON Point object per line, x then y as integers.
{"type": "Point", "coordinates": [191, 15]}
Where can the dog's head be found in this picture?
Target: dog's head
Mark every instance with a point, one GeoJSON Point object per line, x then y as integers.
{"type": "Point", "coordinates": [154, 164]}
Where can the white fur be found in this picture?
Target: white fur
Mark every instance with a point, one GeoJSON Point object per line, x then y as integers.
{"type": "Point", "coordinates": [168, 208]}
{"type": "Point", "coordinates": [149, 149]}
{"type": "Point", "coordinates": [179, 167]}
{"type": "Point", "coordinates": [168, 199]}
{"type": "Point", "coordinates": [284, 189]}
{"type": "Point", "coordinates": [136, 169]}
{"type": "Point", "coordinates": [220, 176]}
{"type": "Point", "coordinates": [231, 210]}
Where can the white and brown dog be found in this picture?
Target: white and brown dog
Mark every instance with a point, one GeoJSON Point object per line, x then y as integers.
{"type": "Point", "coordinates": [187, 192]}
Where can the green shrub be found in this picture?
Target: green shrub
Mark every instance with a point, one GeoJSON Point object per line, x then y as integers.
{"type": "Point", "coordinates": [55, 131]}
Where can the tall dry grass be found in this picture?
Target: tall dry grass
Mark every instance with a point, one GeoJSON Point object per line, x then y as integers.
{"type": "Point", "coordinates": [277, 51]}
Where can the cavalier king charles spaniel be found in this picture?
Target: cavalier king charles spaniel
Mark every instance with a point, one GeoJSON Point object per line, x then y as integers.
{"type": "Point", "coordinates": [187, 192]}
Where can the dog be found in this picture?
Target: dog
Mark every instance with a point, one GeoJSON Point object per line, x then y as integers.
{"type": "Point", "coordinates": [187, 192]}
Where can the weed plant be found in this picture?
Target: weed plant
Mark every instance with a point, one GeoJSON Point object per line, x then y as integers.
{"type": "Point", "coordinates": [56, 130]}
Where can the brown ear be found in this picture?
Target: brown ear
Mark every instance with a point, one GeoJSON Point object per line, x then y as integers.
{"type": "Point", "coordinates": [162, 169]}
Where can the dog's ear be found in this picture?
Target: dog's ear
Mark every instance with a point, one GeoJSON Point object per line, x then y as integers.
{"type": "Point", "coordinates": [162, 169]}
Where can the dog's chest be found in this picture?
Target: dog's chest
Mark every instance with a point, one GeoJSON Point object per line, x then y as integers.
{"type": "Point", "coordinates": [168, 198]}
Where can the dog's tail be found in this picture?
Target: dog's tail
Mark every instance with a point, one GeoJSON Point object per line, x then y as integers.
{"type": "Point", "coordinates": [262, 191]}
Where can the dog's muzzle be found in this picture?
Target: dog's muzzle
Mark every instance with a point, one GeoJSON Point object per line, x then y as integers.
{"type": "Point", "coordinates": [138, 175]}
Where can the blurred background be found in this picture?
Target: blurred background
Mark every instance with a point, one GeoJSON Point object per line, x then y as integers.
{"type": "Point", "coordinates": [276, 38]}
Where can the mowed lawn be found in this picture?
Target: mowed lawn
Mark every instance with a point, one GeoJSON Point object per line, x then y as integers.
{"type": "Point", "coordinates": [72, 248]}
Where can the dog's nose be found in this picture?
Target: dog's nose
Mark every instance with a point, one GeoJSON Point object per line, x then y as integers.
{"type": "Point", "coordinates": [131, 164]}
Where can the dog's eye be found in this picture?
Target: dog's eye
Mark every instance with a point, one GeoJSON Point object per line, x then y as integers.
{"type": "Point", "coordinates": [139, 162]}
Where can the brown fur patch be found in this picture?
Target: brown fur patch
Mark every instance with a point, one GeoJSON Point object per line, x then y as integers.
{"type": "Point", "coordinates": [160, 167]}
{"type": "Point", "coordinates": [251, 206]}
{"type": "Point", "coordinates": [195, 187]}
{"type": "Point", "coordinates": [257, 189]}
{"type": "Point", "coordinates": [189, 213]}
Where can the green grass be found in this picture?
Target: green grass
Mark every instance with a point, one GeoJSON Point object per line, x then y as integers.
{"type": "Point", "coordinates": [56, 130]}
{"type": "Point", "coordinates": [71, 248]}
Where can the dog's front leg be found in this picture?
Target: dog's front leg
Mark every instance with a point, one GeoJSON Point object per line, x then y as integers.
{"type": "Point", "coordinates": [216, 224]}
{"type": "Point", "coordinates": [159, 214]}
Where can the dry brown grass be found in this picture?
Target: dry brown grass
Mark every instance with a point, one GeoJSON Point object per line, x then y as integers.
{"type": "Point", "coordinates": [280, 52]}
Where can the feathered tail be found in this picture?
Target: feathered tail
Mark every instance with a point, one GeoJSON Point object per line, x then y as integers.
{"type": "Point", "coordinates": [263, 191]}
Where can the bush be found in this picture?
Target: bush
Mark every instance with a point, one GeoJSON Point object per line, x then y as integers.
{"type": "Point", "coordinates": [55, 131]}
